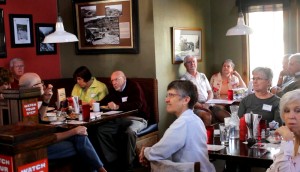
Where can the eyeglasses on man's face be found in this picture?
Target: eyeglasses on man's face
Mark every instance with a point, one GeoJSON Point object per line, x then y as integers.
{"type": "Point", "coordinates": [39, 84]}
{"type": "Point", "coordinates": [116, 79]}
{"type": "Point", "coordinates": [258, 79]}
{"type": "Point", "coordinates": [172, 95]}
{"type": "Point", "coordinates": [19, 66]}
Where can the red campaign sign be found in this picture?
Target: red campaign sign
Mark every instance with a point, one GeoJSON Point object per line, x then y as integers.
{"type": "Point", "coordinates": [30, 108]}
{"type": "Point", "coordinates": [6, 163]}
{"type": "Point", "coordinates": [37, 166]}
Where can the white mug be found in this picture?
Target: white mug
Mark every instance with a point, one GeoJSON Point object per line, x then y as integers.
{"type": "Point", "coordinates": [96, 107]}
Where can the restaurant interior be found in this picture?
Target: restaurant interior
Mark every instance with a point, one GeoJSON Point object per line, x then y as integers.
{"type": "Point", "coordinates": [156, 18]}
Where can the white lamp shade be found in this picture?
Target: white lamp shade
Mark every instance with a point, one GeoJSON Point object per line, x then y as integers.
{"type": "Point", "coordinates": [60, 35]}
{"type": "Point", "coordinates": [240, 28]}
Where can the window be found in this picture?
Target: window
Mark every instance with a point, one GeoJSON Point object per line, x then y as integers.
{"type": "Point", "coordinates": [266, 44]}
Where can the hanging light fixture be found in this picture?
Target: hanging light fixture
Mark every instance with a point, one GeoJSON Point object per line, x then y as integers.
{"type": "Point", "coordinates": [240, 28]}
{"type": "Point", "coordinates": [60, 35]}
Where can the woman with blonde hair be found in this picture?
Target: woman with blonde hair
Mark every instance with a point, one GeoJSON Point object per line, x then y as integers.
{"type": "Point", "coordinates": [288, 158]}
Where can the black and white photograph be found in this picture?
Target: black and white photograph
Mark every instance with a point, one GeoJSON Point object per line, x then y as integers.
{"type": "Point", "coordinates": [102, 30]}
{"type": "Point", "coordinates": [42, 30]}
{"type": "Point", "coordinates": [88, 11]}
{"type": "Point", "coordinates": [21, 30]}
{"type": "Point", "coordinates": [186, 41]}
{"type": "Point", "coordinates": [113, 10]}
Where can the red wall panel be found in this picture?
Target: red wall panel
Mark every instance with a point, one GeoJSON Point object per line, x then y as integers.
{"type": "Point", "coordinates": [43, 11]}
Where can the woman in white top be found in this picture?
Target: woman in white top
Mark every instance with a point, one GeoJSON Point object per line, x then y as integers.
{"type": "Point", "coordinates": [288, 158]}
{"type": "Point", "coordinates": [185, 139]}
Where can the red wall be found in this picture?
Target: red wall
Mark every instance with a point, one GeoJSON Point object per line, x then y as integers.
{"type": "Point", "coordinates": [43, 11]}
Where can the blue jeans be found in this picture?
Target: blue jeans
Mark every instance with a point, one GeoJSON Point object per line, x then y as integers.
{"type": "Point", "coordinates": [77, 144]}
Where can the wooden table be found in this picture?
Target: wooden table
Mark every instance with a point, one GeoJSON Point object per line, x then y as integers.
{"type": "Point", "coordinates": [240, 153]}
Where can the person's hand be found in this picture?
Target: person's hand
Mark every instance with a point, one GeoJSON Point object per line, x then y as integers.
{"type": "Point", "coordinates": [113, 106]}
{"type": "Point", "coordinates": [80, 130]}
{"type": "Point", "coordinates": [142, 159]}
{"type": "Point", "coordinates": [236, 74]}
{"type": "Point", "coordinates": [47, 93]}
{"type": "Point", "coordinates": [285, 133]}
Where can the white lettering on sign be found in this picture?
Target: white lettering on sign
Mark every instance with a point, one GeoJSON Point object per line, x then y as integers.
{"type": "Point", "coordinates": [30, 105]}
{"type": "Point", "coordinates": [4, 169]}
{"type": "Point", "coordinates": [35, 168]}
{"type": "Point", "coordinates": [4, 161]}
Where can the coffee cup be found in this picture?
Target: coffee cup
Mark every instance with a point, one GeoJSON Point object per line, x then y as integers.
{"type": "Point", "coordinates": [96, 107]}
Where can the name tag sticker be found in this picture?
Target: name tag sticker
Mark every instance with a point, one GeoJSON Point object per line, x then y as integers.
{"type": "Point", "coordinates": [267, 107]}
{"type": "Point", "coordinates": [124, 99]}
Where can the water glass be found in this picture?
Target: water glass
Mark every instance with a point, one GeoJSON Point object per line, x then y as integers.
{"type": "Point", "coordinates": [224, 133]}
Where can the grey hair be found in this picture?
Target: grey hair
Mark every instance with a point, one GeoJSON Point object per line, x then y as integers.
{"type": "Point", "coordinates": [288, 98]}
{"type": "Point", "coordinates": [186, 57]}
{"type": "Point", "coordinates": [229, 61]}
{"type": "Point", "coordinates": [296, 57]}
{"type": "Point", "coordinates": [13, 60]}
{"type": "Point", "coordinates": [264, 70]}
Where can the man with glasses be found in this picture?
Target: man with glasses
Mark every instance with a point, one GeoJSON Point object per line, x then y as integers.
{"type": "Point", "coordinates": [71, 142]}
{"type": "Point", "coordinates": [204, 89]}
{"type": "Point", "coordinates": [124, 94]}
{"type": "Point", "coordinates": [17, 68]}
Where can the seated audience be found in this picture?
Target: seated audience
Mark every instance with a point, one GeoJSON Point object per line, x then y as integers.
{"type": "Point", "coordinates": [261, 102]}
{"type": "Point", "coordinates": [17, 68]}
{"type": "Point", "coordinates": [71, 142]}
{"type": "Point", "coordinates": [288, 158]}
{"type": "Point", "coordinates": [294, 70]}
{"type": "Point", "coordinates": [124, 95]}
{"type": "Point", "coordinates": [204, 90]}
{"type": "Point", "coordinates": [6, 78]}
{"type": "Point", "coordinates": [185, 139]}
{"type": "Point", "coordinates": [88, 88]}
{"type": "Point", "coordinates": [226, 80]}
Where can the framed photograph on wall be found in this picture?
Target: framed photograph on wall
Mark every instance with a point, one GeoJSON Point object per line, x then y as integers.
{"type": "Point", "coordinates": [2, 1]}
{"type": "Point", "coordinates": [186, 41]}
{"type": "Point", "coordinates": [106, 26]}
{"type": "Point", "coordinates": [21, 30]}
{"type": "Point", "coordinates": [41, 31]}
{"type": "Point", "coordinates": [3, 53]}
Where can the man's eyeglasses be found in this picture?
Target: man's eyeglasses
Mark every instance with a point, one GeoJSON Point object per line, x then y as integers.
{"type": "Point", "coordinates": [41, 83]}
{"type": "Point", "coordinates": [115, 80]}
{"type": "Point", "coordinates": [190, 62]}
{"type": "Point", "coordinates": [171, 95]}
{"type": "Point", "coordinates": [19, 66]}
{"type": "Point", "coordinates": [258, 79]}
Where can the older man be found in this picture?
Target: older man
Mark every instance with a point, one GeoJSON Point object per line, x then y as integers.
{"type": "Point", "coordinates": [16, 66]}
{"type": "Point", "coordinates": [204, 90]}
{"type": "Point", "coordinates": [117, 138]}
{"type": "Point", "coordinates": [294, 69]}
{"type": "Point", "coordinates": [71, 142]}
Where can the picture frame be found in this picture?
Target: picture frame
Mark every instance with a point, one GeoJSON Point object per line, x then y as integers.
{"type": "Point", "coordinates": [41, 31]}
{"type": "Point", "coordinates": [21, 30]}
{"type": "Point", "coordinates": [2, 1]}
{"type": "Point", "coordinates": [3, 52]}
{"type": "Point", "coordinates": [186, 41]}
{"type": "Point", "coordinates": [106, 26]}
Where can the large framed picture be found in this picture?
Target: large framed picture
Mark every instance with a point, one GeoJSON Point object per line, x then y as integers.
{"type": "Point", "coordinates": [41, 31]}
{"type": "Point", "coordinates": [106, 26]}
{"type": "Point", "coordinates": [21, 30]}
{"type": "Point", "coordinates": [3, 53]}
{"type": "Point", "coordinates": [186, 41]}
{"type": "Point", "coordinates": [2, 1]}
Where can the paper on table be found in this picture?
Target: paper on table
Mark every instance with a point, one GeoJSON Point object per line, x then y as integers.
{"type": "Point", "coordinates": [219, 101]}
{"type": "Point", "coordinates": [215, 147]}
{"type": "Point", "coordinates": [111, 112]}
{"type": "Point", "coordinates": [75, 122]}
{"type": "Point", "coordinates": [94, 115]}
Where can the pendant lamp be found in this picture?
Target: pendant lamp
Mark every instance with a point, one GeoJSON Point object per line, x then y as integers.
{"type": "Point", "coordinates": [240, 28]}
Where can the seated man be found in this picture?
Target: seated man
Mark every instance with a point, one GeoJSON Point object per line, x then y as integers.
{"type": "Point", "coordinates": [124, 95]}
{"type": "Point", "coordinates": [185, 140]}
{"type": "Point", "coordinates": [17, 68]}
{"type": "Point", "coordinates": [71, 142]}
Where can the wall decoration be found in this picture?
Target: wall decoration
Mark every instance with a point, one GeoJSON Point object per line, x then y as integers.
{"type": "Point", "coordinates": [21, 30]}
{"type": "Point", "coordinates": [2, 1]}
{"type": "Point", "coordinates": [106, 26]}
{"type": "Point", "coordinates": [186, 41]}
{"type": "Point", "coordinates": [41, 31]}
{"type": "Point", "coordinates": [2, 36]}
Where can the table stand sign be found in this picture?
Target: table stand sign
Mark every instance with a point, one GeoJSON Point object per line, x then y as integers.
{"type": "Point", "coordinates": [24, 147]}
{"type": "Point", "coordinates": [22, 104]}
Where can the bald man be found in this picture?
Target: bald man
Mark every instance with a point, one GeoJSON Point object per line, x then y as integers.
{"type": "Point", "coordinates": [71, 142]}
{"type": "Point", "coordinates": [124, 94]}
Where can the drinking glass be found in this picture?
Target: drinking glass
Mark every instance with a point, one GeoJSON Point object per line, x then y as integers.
{"type": "Point", "coordinates": [224, 133]}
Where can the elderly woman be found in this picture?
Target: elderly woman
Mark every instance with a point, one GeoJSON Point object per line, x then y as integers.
{"type": "Point", "coordinates": [88, 88]}
{"type": "Point", "coordinates": [185, 139]}
{"type": "Point", "coordinates": [6, 77]}
{"type": "Point", "coordinates": [262, 102]}
{"type": "Point", "coordinates": [288, 158]}
{"type": "Point", "coordinates": [226, 80]}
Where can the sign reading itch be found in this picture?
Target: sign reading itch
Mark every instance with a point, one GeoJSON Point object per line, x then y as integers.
{"type": "Point", "coordinates": [6, 163]}
{"type": "Point", "coordinates": [30, 107]}
{"type": "Point", "coordinates": [37, 166]}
